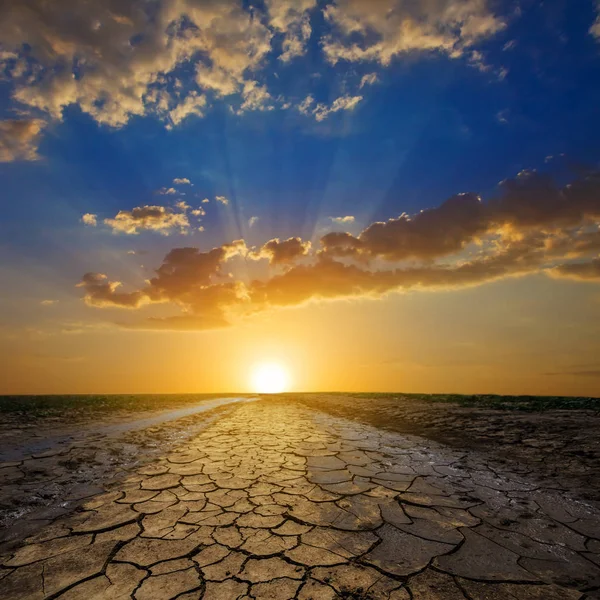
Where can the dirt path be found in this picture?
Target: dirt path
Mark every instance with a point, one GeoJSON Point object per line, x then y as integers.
{"type": "Point", "coordinates": [278, 501]}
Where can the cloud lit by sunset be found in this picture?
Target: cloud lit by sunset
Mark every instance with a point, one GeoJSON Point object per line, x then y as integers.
{"type": "Point", "coordinates": [383, 195]}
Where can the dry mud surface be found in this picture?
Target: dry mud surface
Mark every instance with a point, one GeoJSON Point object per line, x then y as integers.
{"type": "Point", "coordinates": [277, 500]}
{"type": "Point", "coordinates": [48, 469]}
{"type": "Point", "coordinates": [560, 446]}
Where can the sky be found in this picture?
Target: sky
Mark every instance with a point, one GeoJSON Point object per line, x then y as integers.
{"type": "Point", "coordinates": [379, 195]}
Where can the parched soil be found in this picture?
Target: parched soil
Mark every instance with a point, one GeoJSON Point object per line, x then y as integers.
{"type": "Point", "coordinates": [560, 445]}
{"type": "Point", "coordinates": [275, 500]}
{"type": "Point", "coordinates": [50, 465]}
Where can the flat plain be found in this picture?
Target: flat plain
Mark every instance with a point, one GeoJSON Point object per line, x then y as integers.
{"type": "Point", "coordinates": [305, 496]}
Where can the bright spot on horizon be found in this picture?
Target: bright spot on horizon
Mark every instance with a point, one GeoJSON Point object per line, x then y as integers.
{"type": "Point", "coordinates": [270, 378]}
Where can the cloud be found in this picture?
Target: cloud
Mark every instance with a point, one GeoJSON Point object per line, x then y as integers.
{"type": "Point", "coordinates": [205, 201]}
{"type": "Point", "coordinates": [322, 111]}
{"type": "Point", "coordinates": [222, 199]}
{"type": "Point", "coordinates": [161, 219]}
{"type": "Point", "coordinates": [531, 226]}
{"type": "Point", "coordinates": [369, 79]}
{"type": "Point", "coordinates": [282, 252]}
{"type": "Point", "coordinates": [305, 107]}
{"type": "Point", "coordinates": [193, 104]}
{"type": "Point", "coordinates": [48, 302]}
{"type": "Point", "coordinates": [256, 97]}
{"type": "Point", "coordinates": [90, 219]}
{"type": "Point", "coordinates": [579, 271]}
{"type": "Point", "coordinates": [527, 203]}
{"type": "Point", "coordinates": [342, 220]}
{"type": "Point", "coordinates": [19, 139]}
{"type": "Point", "coordinates": [115, 59]}
{"type": "Point", "coordinates": [102, 293]}
{"type": "Point", "coordinates": [252, 221]}
{"type": "Point", "coordinates": [181, 181]}
{"type": "Point", "coordinates": [175, 59]}
{"type": "Point", "coordinates": [595, 28]}
{"type": "Point", "coordinates": [502, 116]}
{"type": "Point", "coordinates": [291, 18]}
{"type": "Point", "coordinates": [381, 31]}
{"type": "Point", "coordinates": [167, 191]}
{"type": "Point", "coordinates": [586, 373]}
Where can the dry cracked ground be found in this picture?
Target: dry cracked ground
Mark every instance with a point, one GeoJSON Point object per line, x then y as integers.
{"type": "Point", "coordinates": [276, 500]}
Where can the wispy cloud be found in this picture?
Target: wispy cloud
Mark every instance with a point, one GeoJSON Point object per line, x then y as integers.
{"type": "Point", "coordinates": [342, 220]}
{"type": "Point", "coordinates": [589, 373]}
{"type": "Point", "coordinates": [321, 111]}
{"type": "Point", "coordinates": [369, 79]}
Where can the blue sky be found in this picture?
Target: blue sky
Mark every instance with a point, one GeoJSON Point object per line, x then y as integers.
{"type": "Point", "coordinates": [304, 118]}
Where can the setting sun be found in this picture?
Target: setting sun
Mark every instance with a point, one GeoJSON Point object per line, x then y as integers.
{"type": "Point", "coordinates": [270, 378]}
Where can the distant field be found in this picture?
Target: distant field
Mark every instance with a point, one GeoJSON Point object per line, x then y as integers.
{"type": "Point", "coordinates": [48, 406]}
{"type": "Point", "coordinates": [96, 404]}
{"type": "Point", "coordinates": [524, 403]}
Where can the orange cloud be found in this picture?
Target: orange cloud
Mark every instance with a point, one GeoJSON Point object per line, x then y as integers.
{"type": "Point", "coordinates": [151, 218]}
{"type": "Point", "coordinates": [529, 201]}
{"type": "Point", "coordinates": [580, 271]}
{"type": "Point", "coordinates": [529, 228]}
{"type": "Point", "coordinates": [282, 252]}
{"type": "Point", "coordinates": [19, 139]}
{"type": "Point", "coordinates": [101, 292]}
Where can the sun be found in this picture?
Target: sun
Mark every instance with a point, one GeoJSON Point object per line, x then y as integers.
{"type": "Point", "coordinates": [270, 378]}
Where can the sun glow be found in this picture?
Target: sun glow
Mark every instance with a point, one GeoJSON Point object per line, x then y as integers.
{"type": "Point", "coordinates": [270, 378]}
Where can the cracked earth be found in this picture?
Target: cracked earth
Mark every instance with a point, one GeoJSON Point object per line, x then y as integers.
{"type": "Point", "coordinates": [275, 500]}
